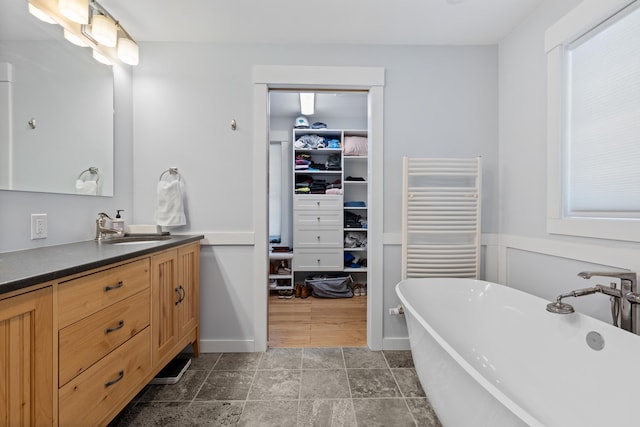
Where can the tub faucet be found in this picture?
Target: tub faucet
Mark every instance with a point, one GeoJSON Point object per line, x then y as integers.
{"type": "Point", "coordinates": [626, 299]}
{"type": "Point", "coordinates": [103, 231]}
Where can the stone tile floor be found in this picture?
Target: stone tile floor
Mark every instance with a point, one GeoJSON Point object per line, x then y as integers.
{"type": "Point", "coordinates": [288, 387]}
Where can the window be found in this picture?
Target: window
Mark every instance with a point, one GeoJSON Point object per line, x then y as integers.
{"type": "Point", "coordinates": [594, 127]}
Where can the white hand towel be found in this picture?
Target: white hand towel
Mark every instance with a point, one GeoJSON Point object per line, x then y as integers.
{"type": "Point", "coordinates": [170, 209]}
{"type": "Point", "coordinates": [86, 187]}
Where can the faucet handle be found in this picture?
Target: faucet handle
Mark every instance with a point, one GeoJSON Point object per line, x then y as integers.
{"type": "Point", "coordinates": [633, 297]}
{"type": "Point", "coordinates": [101, 215]}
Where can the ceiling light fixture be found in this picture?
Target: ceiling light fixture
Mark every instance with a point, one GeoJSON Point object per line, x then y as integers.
{"type": "Point", "coordinates": [307, 103]}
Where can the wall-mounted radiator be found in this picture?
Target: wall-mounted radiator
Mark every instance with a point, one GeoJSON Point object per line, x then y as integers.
{"type": "Point", "coordinates": [441, 217]}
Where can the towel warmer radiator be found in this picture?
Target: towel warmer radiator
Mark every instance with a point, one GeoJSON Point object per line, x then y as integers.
{"type": "Point", "coordinates": [441, 217]}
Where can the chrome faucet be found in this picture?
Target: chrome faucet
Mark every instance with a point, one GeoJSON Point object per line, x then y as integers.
{"type": "Point", "coordinates": [624, 301]}
{"type": "Point", "coordinates": [102, 231]}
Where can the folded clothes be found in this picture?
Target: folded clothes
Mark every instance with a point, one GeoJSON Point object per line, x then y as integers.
{"type": "Point", "coordinates": [355, 204]}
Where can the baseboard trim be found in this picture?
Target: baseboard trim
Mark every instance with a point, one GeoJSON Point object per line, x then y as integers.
{"type": "Point", "coordinates": [396, 344]}
{"type": "Point", "coordinates": [227, 346]}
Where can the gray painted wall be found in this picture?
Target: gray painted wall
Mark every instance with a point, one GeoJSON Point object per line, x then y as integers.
{"type": "Point", "coordinates": [532, 260]}
{"type": "Point", "coordinates": [439, 101]}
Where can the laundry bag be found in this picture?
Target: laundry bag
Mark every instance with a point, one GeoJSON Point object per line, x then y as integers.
{"type": "Point", "coordinates": [327, 286]}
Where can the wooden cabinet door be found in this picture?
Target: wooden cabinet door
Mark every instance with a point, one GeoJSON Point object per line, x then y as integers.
{"type": "Point", "coordinates": [189, 288]}
{"type": "Point", "coordinates": [26, 359]}
{"type": "Point", "coordinates": [165, 296]}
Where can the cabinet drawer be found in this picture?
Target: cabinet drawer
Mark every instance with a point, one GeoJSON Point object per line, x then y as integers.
{"type": "Point", "coordinates": [91, 396]}
{"type": "Point", "coordinates": [317, 202]}
{"type": "Point", "coordinates": [318, 260]}
{"type": "Point", "coordinates": [81, 297]}
{"type": "Point", "coordinates": [85, 342]}
{"type": "Point", "coordinates": [318, 218]}
{"type": "Point", "coordinates": [317, 238]}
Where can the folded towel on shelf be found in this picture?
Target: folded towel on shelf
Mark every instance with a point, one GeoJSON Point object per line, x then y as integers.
{"type": "Point", "coordinates": [86, 187]}
{"type": "Point", "coordinates": [169, 208]}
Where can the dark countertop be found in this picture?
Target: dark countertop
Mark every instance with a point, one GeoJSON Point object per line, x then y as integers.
{"type": "Point", "coordinates": [21, 269]}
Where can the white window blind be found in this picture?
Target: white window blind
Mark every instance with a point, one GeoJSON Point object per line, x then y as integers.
{"type": "Point", "coordinates": [602, 128]}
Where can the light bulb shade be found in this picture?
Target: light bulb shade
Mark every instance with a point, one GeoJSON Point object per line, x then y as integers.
{"type": "Point", "coordinates": [40, 14]}
{"type": "Point", "coordinates": [75, 10]}
{"type": "Point", "coordinates": [104, 30]}
{"type": "Point", "coordinates": [74, 39]}
{"type": "Point", "coordinates": [101, 58]}
{"type": "Point", "coordinates": [128, 51]}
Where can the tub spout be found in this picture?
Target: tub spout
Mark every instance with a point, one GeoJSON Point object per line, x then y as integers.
{"type": "Point", "coordinates": [626, 297]}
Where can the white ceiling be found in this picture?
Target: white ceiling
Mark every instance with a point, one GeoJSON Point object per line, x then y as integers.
{"type": "Point", "coordinates": [392, 22]}
{"type": "Point", "coordinates": [396, 22]}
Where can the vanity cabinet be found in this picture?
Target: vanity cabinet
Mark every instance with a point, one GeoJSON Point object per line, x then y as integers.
{"type": "Point", "coordinates": [104, 343]}
{"type": "Point", "coordinates": [26, 333]}
{"type": "Point", "coordinates": [76, 349]}
{"type": "Point", "coordinates": [175, 278]}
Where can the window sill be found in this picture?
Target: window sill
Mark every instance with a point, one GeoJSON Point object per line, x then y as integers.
{"type": "Point", "coordinates": [599, 228]}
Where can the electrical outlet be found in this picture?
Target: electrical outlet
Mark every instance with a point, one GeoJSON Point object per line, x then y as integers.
{"type": "Point", "coordinates": [38, 226]}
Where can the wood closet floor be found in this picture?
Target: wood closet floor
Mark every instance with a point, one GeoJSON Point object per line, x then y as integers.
{"type": "Point", "coordinates": [317, 322]}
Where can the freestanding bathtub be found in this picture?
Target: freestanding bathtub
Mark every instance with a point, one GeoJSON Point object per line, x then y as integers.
{"type": "Point", "coordinates": [490, 355]}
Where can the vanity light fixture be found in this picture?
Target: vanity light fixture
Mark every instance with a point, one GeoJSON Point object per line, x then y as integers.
{"type": "Point", "coordinates": [99, 30]}
{"type": "Point", "coordinates": [40, 14]}
{"type": "Point", "coordinates": [104, 30]}
{"type": "Point", "coordinates": [101, 58]}
{"type": "Point", "coordinates": [307, 103]}
{"type": "Point", "coordinates": [75, 10]}
{"type": "Point", "coordinates": [74, 39]}
{"type": "Point", "coordinates": [128, 51]}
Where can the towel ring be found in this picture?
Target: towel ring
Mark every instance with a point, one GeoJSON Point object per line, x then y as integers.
{"type": "Point", "coordinates": [170, 171]}
{"type": "Point", "coordinates": [93, 170]}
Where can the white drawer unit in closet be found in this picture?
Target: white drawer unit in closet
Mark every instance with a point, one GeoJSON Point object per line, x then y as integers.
{"type": "Point", "coordinates": [317, 203]}
{"type": "Point", "coordinates": [318, 260]}
{"type": "Point", "coordinates": [331, 218]}
{"type": "Point", "coordinates": [310, 238]}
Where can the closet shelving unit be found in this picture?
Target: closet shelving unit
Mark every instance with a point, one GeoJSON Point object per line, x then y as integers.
{"type": "Point", "coordinates": [319, 227]}
{"type": "Point", "coordinates": [356, 190]}
{"type": "Point", "coordinates": [281, 281]}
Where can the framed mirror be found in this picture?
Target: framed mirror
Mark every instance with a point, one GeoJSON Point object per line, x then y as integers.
{"type": "Point", "coordinates": [56, 110]}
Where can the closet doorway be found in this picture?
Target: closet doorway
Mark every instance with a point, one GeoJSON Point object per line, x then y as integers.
{"type": "Point", "coordinates": [319, 196]}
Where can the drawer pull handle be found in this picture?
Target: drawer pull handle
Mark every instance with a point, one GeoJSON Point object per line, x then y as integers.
{"type": "Point", "coordinates": [117, 286]}
{"type": "Point", "coordinates": [112, 382]}
{"type": "Point", "coordinates": [318, 219]}
{"type": "Point", "coordinates": [181, 294]}
{"type": "Point", "coordinates": [115, 328]}
{"type": "Point", "coordinates": [318, 237]}
{"type": "Point", "coordinates": [318, 203]}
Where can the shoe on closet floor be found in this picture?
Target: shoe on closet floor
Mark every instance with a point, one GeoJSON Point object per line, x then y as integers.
{"type": "Point", "coordinates": [304, 291]}
{"type": "Point", "coordinates": [286, 294]}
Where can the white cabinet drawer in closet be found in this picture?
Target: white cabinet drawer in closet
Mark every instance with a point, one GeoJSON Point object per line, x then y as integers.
{"type": "Point", "coordinates": [324, 202]}
{"type": "Point", "coordinates": [317, 238]}
{"type": "Point", "coordinates": [318, 218]}
{"type": "Point", "coordinates": [318, 260]}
